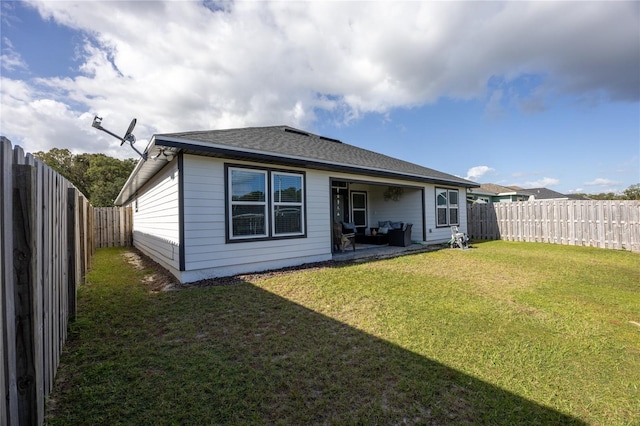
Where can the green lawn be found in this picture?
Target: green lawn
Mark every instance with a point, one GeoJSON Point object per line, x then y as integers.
{"type": "Point", "coordinates": [505, 333]}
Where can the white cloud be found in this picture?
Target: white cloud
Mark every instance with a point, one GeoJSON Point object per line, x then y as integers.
{"type": "Point", "coordinates": [184, 65]}
{"type": "Point", "coordinates": [10, 59]}
{"type": "Point", "coordinates": [545, 182]}
{"type": "Point", "coordinates": [602, 182]}
{"type": "Point", "coordinates": [475, 173]}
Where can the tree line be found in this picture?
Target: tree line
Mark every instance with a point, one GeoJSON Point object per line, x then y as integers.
{"type": "Point", "coordinates": [98, 176]}
{"type": "Point", "coordinates": [631, 193]}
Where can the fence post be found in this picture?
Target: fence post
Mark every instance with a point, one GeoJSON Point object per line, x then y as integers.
{"type": "Point", "coordinates": [27, 315]}
{"type": "Point", "coordinates": [8, 379]}
{"type": "Point", "coordinates": [72, 222]}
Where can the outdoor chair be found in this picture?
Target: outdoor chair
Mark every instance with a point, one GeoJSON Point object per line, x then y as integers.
{"type": "Point", "coordinates": [458, 239]}
{"type": "Point", "coordinates": [343, 240]}
{"type": "Point", "coordinates": [400, 237]}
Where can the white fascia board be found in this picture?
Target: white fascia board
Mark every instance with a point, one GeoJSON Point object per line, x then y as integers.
{"type": "Point", "coordinates": [121, 199]}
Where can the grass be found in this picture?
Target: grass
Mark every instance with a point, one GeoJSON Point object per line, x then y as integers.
{"type": "Point", "coordinates": [506, 333]}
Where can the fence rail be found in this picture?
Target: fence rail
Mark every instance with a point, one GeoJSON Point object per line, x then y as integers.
{"type": "Point", "coordinates": [46, 246]}
{"type": "Point", "coordinates": [612, 224]}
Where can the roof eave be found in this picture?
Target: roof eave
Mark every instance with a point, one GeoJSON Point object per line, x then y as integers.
{"type": "Point", "coordinates": [190, 146]}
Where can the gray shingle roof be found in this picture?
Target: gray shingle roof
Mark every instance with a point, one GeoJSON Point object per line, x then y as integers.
{"type": "Point", "coordinates": [549, 194]}
{"type": "Point", "coordinates": [499, 189]}
{"type": "Point", "coordinates": [292, 146]}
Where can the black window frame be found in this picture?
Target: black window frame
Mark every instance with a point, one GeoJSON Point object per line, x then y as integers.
{"type": "Point", "coordinates": [269, 204]}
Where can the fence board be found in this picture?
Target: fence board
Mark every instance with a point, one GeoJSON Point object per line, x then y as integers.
{"type": "Point", "coordinates": [28, 298]}
{"type": "Point", "coordinates": [613, 224]}
{"type": "Point", "coordinates": [46, 244]}
{"type": "Point", "coordinates": [8, 380]}
{"type": "Point", "coordinates": [114, 227]}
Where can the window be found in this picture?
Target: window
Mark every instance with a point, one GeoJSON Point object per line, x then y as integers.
{"type": "Point", "coordinates": [287, 204]}
{"type": "Point", "coordinates": [264, 203]}
{"type": "Point", "coordinates": [248, 206]}
{"type": "Point", "coordinates": [447, 207]}
{"type": "Point", "coordinates": [359, 209]}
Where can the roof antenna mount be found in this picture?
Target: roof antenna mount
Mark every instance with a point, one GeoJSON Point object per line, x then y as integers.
{"type": "Point", "coordinates": [128, 136]}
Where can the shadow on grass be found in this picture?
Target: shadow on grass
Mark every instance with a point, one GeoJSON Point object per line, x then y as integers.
{"type": "Point", "coordinates": [237, 354]}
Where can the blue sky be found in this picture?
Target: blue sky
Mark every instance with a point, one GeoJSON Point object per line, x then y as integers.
{"type": "Point", "coordinates": [540, 94]}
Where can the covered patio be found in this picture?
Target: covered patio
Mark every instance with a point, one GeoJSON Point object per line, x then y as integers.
{"type": "Point", "coordinates": [364, 252]}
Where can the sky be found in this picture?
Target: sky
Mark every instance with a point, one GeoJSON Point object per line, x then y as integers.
{"type": "Point", "coordinates": [532, 94]}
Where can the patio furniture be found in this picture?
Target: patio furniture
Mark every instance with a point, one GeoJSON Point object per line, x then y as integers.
{"type": "Point", "coordinates": [400, 237]}
{"type": "Point", "coordinates": [458, 239]}
{"type": "Point", "coordinates": [373, 238]}
{"type": "Point", "coordinates": [343, 240]}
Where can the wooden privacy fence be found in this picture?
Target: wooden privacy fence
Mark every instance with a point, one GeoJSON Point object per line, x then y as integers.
{"type": "Point", "coordinates": [612, 224]}
{"type": "Point", "coordinates": [113, 226]}
{"type": "Point", "coordinates": [46, 248]}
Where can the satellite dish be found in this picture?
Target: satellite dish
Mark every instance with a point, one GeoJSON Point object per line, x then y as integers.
{"type": "Point", "coordinates": [129, 133]}
{"type": "Point", "coordinates": [128, 137]}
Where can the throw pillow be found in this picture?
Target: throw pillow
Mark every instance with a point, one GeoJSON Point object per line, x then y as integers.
{"type": "Point", "coordinates": [396, 225]}
{"type": "Point", "coordinates": [383, 230]}
{"type": "Point", "coordinates": [385, 224]}
{"type": "Point", "coordinates": [350, 227]}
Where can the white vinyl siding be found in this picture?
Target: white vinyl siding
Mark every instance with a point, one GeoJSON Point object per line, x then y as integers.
{"type": "Point", "coordinates": [208, 254]}
{"type": "Point", "coordinates": [156, 225]}
{"type": "Point", "coordinates": [440, 234]}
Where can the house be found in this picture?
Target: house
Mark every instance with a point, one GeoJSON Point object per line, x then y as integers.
{"type": "Point", "coordinates": [224, 202]}
{"type": "Point", "coordinates": [548, 194]}
{"type": "Point", "coordinates": [493, 193]}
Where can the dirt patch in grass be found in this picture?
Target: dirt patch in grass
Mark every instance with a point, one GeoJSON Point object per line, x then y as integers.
{"type": "Point", "coordinates": [157, 279]}
{"type": "Point", "coordinates": [161, 280]}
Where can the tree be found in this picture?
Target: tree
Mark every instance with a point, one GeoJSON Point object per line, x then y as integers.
{"type": "Point", "coordinates": [98, 176]}
{"type": "Point", "coordinates": [632, 192]}
{"type": "Point", "coordinates": [72, 167]}
{"type": "Point", "coordinates": [107, 176]}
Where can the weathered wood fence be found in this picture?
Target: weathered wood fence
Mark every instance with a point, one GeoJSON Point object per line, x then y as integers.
{"type": "Point", "coordinates": [612, 224]}
{"type": "Point", "coordinates": [113, 226]}
{"type": "Point", "coordinates": [46, 248]}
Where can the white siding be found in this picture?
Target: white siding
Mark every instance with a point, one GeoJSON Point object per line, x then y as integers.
{"type": "Point", "coordinates": [207, 254]}
{"type": "Point", "coordinates": [443, 234]}
{"type": "Point", "coordinates": [155, 218]}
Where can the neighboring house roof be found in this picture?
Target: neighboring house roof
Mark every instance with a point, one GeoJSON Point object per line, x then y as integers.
{"type": "Point", "coordinates": [548, 194]}
{"type": "Point", "coordinates": [537, 193]}
{"type": "Point", "coordinates": [284, 145]}
{"type": "Point", "coordinates": [497, 190]}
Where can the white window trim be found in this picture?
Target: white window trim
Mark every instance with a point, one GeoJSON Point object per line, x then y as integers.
{"type": "Point", "coordinates": [275, 204]}
{"type": "Point", "coordinates": [448, 207]}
